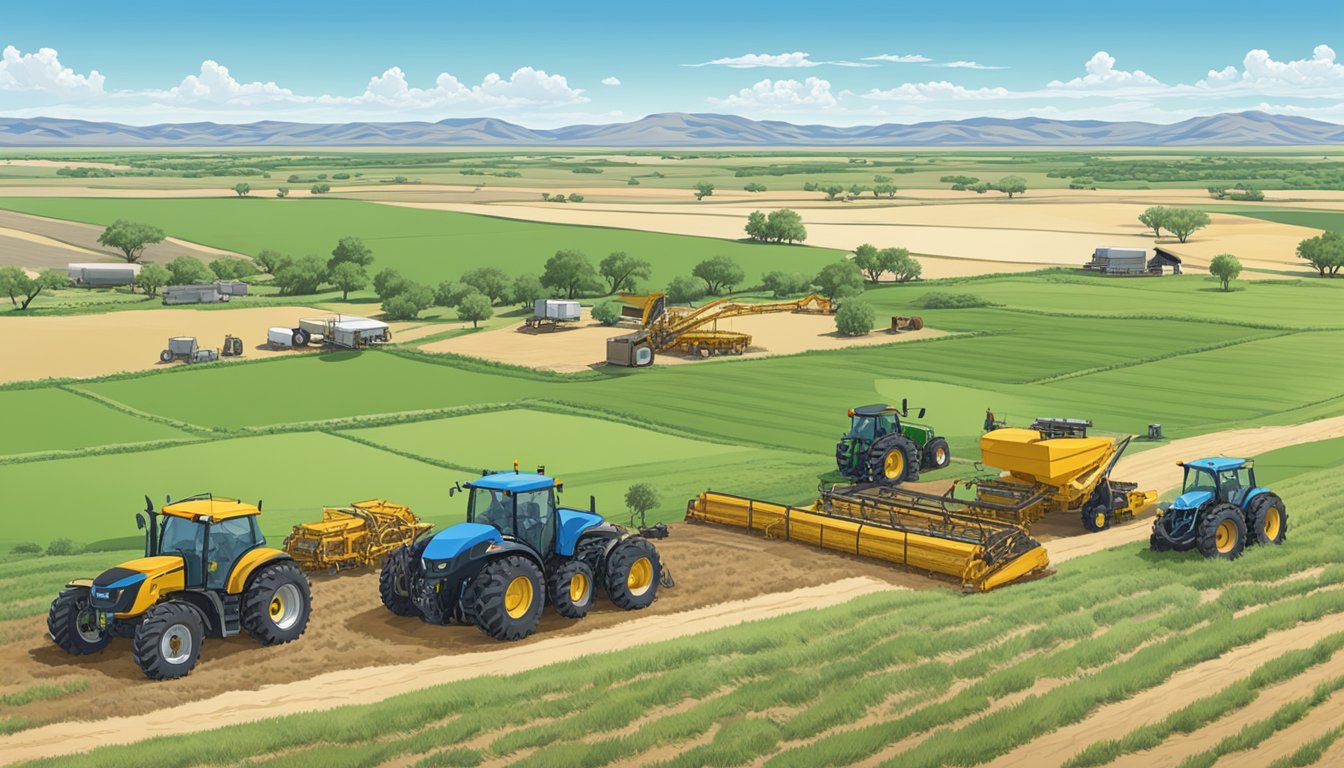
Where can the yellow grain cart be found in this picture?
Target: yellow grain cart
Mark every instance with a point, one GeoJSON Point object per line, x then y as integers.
{"type": "Point", "coordinates": [921, 531]}
{"type": "Point", "coordinates": [1046, 474]}
{"type": "Point", "coordinates": [361, 534]}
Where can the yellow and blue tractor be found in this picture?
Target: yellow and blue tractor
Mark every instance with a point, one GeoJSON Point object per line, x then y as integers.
{"type": "Point", "coordinates": [206, 571]}
{"type": "Point", "coordinates": [517, 551]}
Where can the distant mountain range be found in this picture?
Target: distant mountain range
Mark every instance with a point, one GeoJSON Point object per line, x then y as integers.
{"type": "Point", "coordinates": [678, 129]}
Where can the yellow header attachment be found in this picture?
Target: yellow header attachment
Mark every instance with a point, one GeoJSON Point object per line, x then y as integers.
{"type": "Point", "coordinates": [214, 509]}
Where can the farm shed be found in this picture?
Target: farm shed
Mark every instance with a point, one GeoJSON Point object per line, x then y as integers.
{"type": "Point", "coordinates": [1163, 260]}
{"type": "Point", "coordinates": [103, 275]}
{"type": "Point", "coordinates": [1119, 261]}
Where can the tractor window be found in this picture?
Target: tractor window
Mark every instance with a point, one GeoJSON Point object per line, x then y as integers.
{"type": "Point", "coordinates": [229, 539]}
{"type": "Point", "coordinates": [492, 507]}
{"type": "Point", "coordinates": [536, 519]}
{"type": "Point", "coordinates": [1233, 485]}
{"type": "Point", "coordinates": [1198, 480]}
{"type": "Point", "coordinates": [886, 424]}
{"type": "Point", "coordinates": [862, 428]}
{"type": "Point", "coordinates": [186, 538]}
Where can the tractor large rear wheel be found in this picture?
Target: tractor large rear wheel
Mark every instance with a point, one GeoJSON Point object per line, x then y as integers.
{"type": "Point", "coordinates": [1222, 532]}
{"type": "Point", "coordinates": [893, 460]}
{"type": "Point", "coordinates": [168, 640]}
{"type": "Point", "coordinates": [506, 598]}
{"type": "Point", "coordinates": [277, 604]}
{"type": "Point", "coordinates": [73, 624]}
{"type": "Point", "coordinates": [571, 588]}
{"type": "Point", "coordinates": [632, 574]}
{"type": "Point", "coordinates": [394, 584]}
{"type": "Point", "coordinates": [1267, 520]}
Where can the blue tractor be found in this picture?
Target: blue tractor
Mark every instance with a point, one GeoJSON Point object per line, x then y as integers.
{"type": "Point", "coordinates": [1220, 511]}
{"type": "Point", "coordinates": [517, 550]}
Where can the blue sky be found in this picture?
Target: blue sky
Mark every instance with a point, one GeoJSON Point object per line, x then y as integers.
{"type": "Point", "coordinates": [549, 64]}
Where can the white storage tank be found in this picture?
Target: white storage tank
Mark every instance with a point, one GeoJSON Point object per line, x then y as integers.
{"type": "Point", "coordinates": [557, 309]}
{"type": "Point", "coordinates": [283, 338]}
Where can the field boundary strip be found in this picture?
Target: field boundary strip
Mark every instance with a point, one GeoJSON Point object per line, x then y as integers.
{"type": "Point", "coordinates": [117, 405]}
{"type": "Point", "coordinates": [1165, 356]}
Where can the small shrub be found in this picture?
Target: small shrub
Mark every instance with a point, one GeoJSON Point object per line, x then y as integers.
{"type": "Point", "coordinates": [26, 548]}
{"type": "Point", "coordinates": [942, 300]}
{"type": "Point", "coordinates": [607, 313]}
{"type": "Point", "coordinates": [63, 547]}
{"type": "Point", "coordinates": [854, 318]}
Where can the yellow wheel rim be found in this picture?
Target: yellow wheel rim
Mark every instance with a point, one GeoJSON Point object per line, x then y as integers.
{"type": "Point", "coordinates": [578, 588]}
{"type": "Point", "coordinates": [640, 577]}
{"type": "Point", "coordinates": [1273, 523]}
{"type": "Point", "coordinates": [894, 465]}
{"type": "Point", "coordinates": [1100, 519]}
{"type": "Point", "coordinates": [518, 597]}
{"type": "Point", "coordinates": [277, 606]}
{"type": "Point", "coordinates": [1225, 537]}
{"type": "Point", "coordinates": [940, 454]}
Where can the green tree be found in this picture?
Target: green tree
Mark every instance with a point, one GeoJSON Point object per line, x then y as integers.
{"type": "Point", "coordinates": [282, 192]}
{"type": "Point", "coordinates": [1184, 222]}
{"type": "Point", "coordinates": [230, 268]}
{"type": "Point", "coordinates": [388, 283]}
{"type": "Point", "coordinates": [840, 279]}
{"type": "Point", "coordinates": [412, 299]}
{"type": "Point", "coordinates": [865, 258]}
{"type": "Point", "coordinates": [189, 269]}
{"type": "Point", "coordinates": [320, 188]}
{"type": "Point", "coordinates": [348, 276]}
{"type": "Point", "coordinates": [450, 293]}
{"type": "Point", "coordinates": [884, 189]}
{"type": "Point", "coordinates": [719, 273]}
{"type": "Point", "coordinates": [350, 250]}
{"type": "Point", "coordinates": [63, 547]}
{"type": "Point", "coordinates": [854, 318]}
{"type": "Point", "coordinates": [781, 284]}
{"type": "Point", "coordinates": [900, 263]}
{"type": "Point", "coordinates": [527, 289]}
{"type": "Point", "coordinates": [785, 226]}
{"type": "Point", "coordinates": [131, 238]}
{"type": "Point", "coordinates": [684, 289]}
{"type": "Point", "coordinates": [475, 307]}
{"type": "Point", "coordinates": [755, 186]}
{"type": "Point", "coordinates": [492, 282]}
{"type": "Point", "coordinates": [16, 283]}
{"type": "Point", "coordinates": [570, 273]}
{"type": "Point", "coordinates": [1154, 218]}
{"type": "Point", "coordinates": [607, 313]}
{"type": "Point", "coordinates": [575, 197]}
{"type": "Point", "coordinates": [269, 261]}
{"type": "Point", "coordinates": [703, 189]}
{"type": "Point", "coordinates": [833, 191]}
{"type": "Point", "coordinates": [1012, 185]}
{"type": "Point", "coordinates": [640, 499]}
{"type": "Point", "coordinates": [1225, 267]}
{"type": "Point", "coordinates": [1325, 252]}
{"type": "Point", "coordinates": [301, 276]}
{"type": "Point", "coordinates": [152, 277]}
{"type": "Point", "coordinates": [632, 182]}
{"type": "Point", "coordinates": [242, 189]}
{"type": "Point", "coordinates": [756, 227]}
{"type": "Point", "coordinates": [621, 270]}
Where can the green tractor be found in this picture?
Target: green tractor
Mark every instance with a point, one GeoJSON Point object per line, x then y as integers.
{"type": "Point", "coordinates": [881, 446]}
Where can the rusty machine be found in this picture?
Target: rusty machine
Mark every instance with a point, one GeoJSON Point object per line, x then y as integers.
{"type": "Point", "coordinates": [361, 534]}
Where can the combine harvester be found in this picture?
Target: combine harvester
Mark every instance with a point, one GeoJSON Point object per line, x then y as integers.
{"type": "Point", "coordinates": [984, 541]}
{"type": "Point", "coordinates": [693, 330]}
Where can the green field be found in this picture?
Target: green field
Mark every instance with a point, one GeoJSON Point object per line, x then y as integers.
{"type": "Point", "coordinates": [52, 419]}
{"type": "Point", "coordinates": [429, 246]}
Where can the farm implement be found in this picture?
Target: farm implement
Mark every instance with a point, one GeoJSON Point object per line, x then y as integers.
{"type": "Point", "coordinates": [206, 571]}
{"type": "Point", "coordinates": [1220, 511]}
{"type": "Point", "coordinates": [984, 540]}
{"type": "Point", "coordinates": [517, 551]}
{"type": "Point", "coordinates": [362, 534]}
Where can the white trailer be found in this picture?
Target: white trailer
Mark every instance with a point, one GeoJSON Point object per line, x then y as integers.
{"type": "Point", "coordinates": [343, 332]}
{"type": "Point", "coordinates": [103, 275]}
{"type": "Point", "coordinates": [195, 293]}
{"type": "Point", "coordinates": [550, 313]}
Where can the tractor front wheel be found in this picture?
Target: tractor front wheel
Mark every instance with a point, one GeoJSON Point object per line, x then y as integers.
{"type": "Point", "coordinates": [632, 574]}
{"type": "Point", "coordinates": [394, 584]}
{"type": "Point", "coordinates": [1267, 520]}
{"type": "Point", "coordinates": [936, 454]}
{"type": "Point", "coordinates": [277, 604]}
{"type": "Point", "coordinates": [507, 598]}
{"type": "Point", "coordinates": [168, 640]}
{"type": "Point", "coordinates": [1222, 532]}
{"type": "Point", "coordinates": [571, 589]}
{"type": "Point", "coordinates": [73, 623]}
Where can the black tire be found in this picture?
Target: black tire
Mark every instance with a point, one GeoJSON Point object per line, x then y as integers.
{"type": "Point", "coordinates": [1222, 532]}
{"type": "Point", "coordinates": [74, 625]}
{"type": "Point", "coordinates": [1097, 518]}
{"type": "Point", "coordinates": [166, 356]}
{"type": "Point", "coordinates": [168, 640]}
{"type": "Point", "coordinates": [570, 586]}
{"type": "Point", "coordinates": [277, 603]}
{"type": "Point", "coordinates": [893, 460]}
{"type": "Point", "coordinates": [936, 454]}
{"type": "Point", "coordinates": [506, 598]}
{"type": "Point", "coordinates": [844, 464]}
{"type": "Point", "coordinates": [1266, 520]}
{"type": "Point", "coordinates": [1157, 543]}
{"type": "Point", "coordinates": [633, 571]}
{"type": "Point", "coordinates": [301, 337]}
{"type": "Point", "coordinates": [394, 584]}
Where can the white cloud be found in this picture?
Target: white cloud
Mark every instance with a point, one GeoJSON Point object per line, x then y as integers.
{"type": "Point", "coordinates": [1102, 74]}
{"type": "Point", "coordinates": [1261, 73]}
{"type": "Point", "coordinates": [899, 58]}
{"type": "Point", "coordinates": [963, 64]}
{"type": "Point", "coordinates": [525, 87]}
{"type": "Point", "coordinates": [935, 90]}
{"type": "Point", "coordinates": [797, 59]}
{"type": "Point", "coordinates": [214, 85]}
{"type": "Point", "coordinates": [613, 80]}
{"type": "Point", "coordinates": [782, 95]}
{"type": "Point", "coordinates": [43, 72]}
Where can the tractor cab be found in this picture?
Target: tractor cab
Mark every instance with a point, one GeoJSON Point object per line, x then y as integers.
{"type": "Point", "coordinates": [869, 422]}
{"type": "Point", "coordinates": [1222, 479]}
{"type": "Point", "coordinates": [521, 506]}
{"type": "Point", "coordinates": [210, 534]}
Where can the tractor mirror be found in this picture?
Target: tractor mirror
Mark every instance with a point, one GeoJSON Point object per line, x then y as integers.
{"type": "Point", "coordinates": [921, 413]}
{"type": "Point", "coordinates": [139, 521]}
{"type": "Point", "coordinates": [452, 492]}
{"type": "Point", "coordinates": [905, 407]}
{"type": "Point", "coordinates": [559, 487]}
{"type": "Point", "coordinates": [592, 504]}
